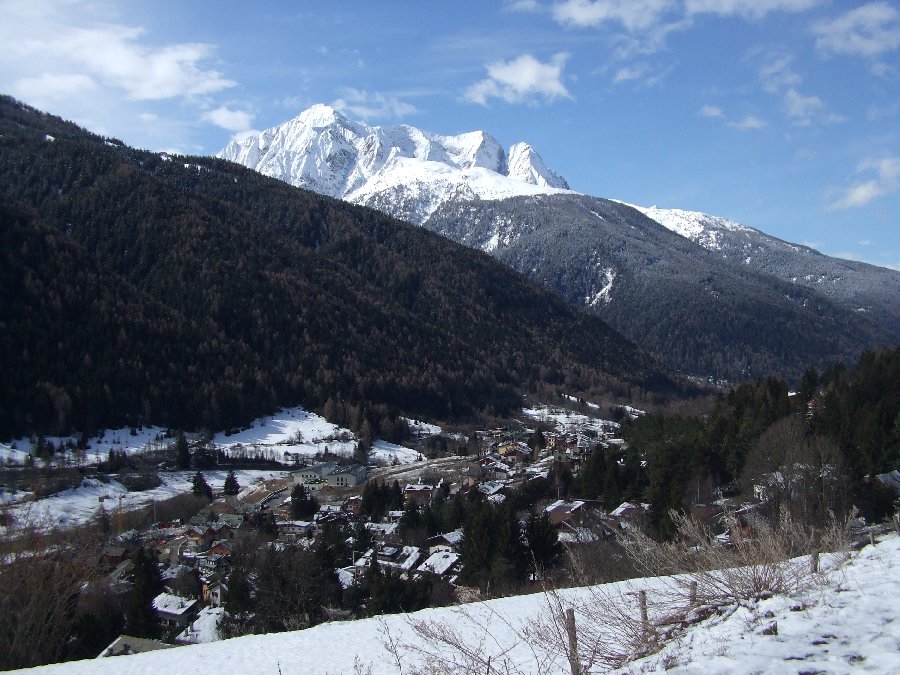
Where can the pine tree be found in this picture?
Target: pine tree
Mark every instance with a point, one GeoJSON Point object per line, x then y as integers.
{"type": "Point", "coordinates": [140, 616]}
{"type": "Point", "coordinates": [303, 504]}
{"type": "Point", "coordinates": [232, 487]}
{"type": "Point", "coordinates": [200, 487]}
{"type": "Point", "coordinates": [544, 549]}
{"type": "Point", "coordinates": [182, 452]}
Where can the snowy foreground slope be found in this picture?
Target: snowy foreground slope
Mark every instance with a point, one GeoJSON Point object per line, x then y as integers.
{"type": "Point", "coordinates": [850, 623]}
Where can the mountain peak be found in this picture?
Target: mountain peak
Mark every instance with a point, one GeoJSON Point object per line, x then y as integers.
{"type": "Point", "coordinates": [321, 115]}
{"type": "Point", "coordinates": [525, 164]}
{"type": "Point", "coordinates": [402, 170]}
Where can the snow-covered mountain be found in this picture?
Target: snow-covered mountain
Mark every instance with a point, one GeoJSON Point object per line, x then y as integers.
{"type": "Point", "coordinates": [402, 170]}
{"type": "Point", "coordinates": [711, 297]}
{"type": "Point", "coordinates": [859, 286]}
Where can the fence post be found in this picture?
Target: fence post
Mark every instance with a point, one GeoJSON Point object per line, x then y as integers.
{"type": "Point", "coordinates": [693, 593]}
{"type": "Point", "coordinates": [896, 520]}
{"type": "Point", "coordinates": [813, 562]}
{"type": "Point", "coordinates": [574, 663]}
{"type": "Point", "coordinates": [645, 621]}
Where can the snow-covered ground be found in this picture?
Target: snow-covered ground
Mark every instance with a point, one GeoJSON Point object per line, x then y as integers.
{"type": "Point", "coordinates": [120, 440]}
{"type": "Point", "coordinates": [850, 623]}
{"type": "Point", "coordinates": [288, 435]}
{"type": "Point", "coordinates": [566, 420]}
{"type": "Point", "coordinates": [79, 505]}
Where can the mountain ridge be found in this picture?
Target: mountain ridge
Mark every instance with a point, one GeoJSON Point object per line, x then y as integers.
{"type": "Point", "coordinates": [264, 295]}
{"type": "Point", "coordinates": [774, 289]}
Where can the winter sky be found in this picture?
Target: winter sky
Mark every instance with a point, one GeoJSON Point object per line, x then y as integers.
{"type": "Point", "coordinates": [781, 114]}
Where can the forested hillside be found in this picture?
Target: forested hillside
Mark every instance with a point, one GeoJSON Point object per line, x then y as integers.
{"type": "Point", "coordinates": [700, 312]}
{"type": "Point", "coordinates": [193, 293]}
{"type": "Point", "coordinates": [815, 451]}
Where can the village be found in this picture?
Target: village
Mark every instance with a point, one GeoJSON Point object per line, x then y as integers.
{"type": "Point", "coordinates": [195, 555]}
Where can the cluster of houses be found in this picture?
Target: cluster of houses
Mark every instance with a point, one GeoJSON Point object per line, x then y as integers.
{"type": "Point", "coordinates": [204, 544]}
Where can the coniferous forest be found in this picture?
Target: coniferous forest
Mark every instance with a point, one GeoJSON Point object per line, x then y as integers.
{"type": "Point", "coordinates": [188, 292]}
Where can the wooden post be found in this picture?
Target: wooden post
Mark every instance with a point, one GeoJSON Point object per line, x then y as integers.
{"type": "Point", "coordinates": [897, 522]}
{"type": "Point", "coordinates": [871, 537]}
{"type": "Point", "coordinates": [645, 621]}
{"type": "Point", "coordinates": [574, 663]}
{"type": "Point", "coordinates": [813, 562]}
{"type": "Point", "coordinates": [693, 593]}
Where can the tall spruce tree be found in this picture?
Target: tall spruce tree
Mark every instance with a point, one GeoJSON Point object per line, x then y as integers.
{"type": "Point", "coordinates": [232, 487]}
{"type": "Point", "coordinates": [141, 619]}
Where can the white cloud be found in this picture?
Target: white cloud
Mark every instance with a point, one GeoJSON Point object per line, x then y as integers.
{"type": "Point", "coordinates": [52, 87]}
{"type": "Point", "coordinates": [374, 105]}
{"type": "Point", "coordinates": [777, 75]}
{"type": "Point", "coordinates": [712, 111]}
{"type": "Point", "coordinates": [116, 57]}
{"type": "Point", "coordinates": [869, 30]}
{"type": "Point", "coordinates": [801, 108]}
{"type": "Point", "coordinates": [748, 123]}
{"type": "Point", "coordinates": [747, 9]}
{"type": "Point", "coordinates": [634, 15]}
{"type": "Point", "coordinates": [630, 73]}
{"type": "Point", "coordinates": [80, 60]}
{"type": "Point", "coordinates": [886, 180]}
{"type": "Point", "coordinates": [226, 118]}
{"type": "Point", "coordinates": [521, 79]}
{"type": "Point", "coordinates": [523, 6]}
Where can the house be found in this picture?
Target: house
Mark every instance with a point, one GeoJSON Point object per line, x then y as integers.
{"type": "Point", "coordinates": [291, 530]}
{"type": "Point", "coordinates": [419, 494]}
{"type": "Point", "coordinates": [491, 487]}
{"type": "Point", "coordinates": [204, 628]}
{"type": "Point", "coordinates": [112, 556]}
{"type": "Point", "coordinates": [201, 538]}
{"type": "Point", "coordinates": [515, 451]}
{"type": "Point", "coordinates": [128, 644]}
{"type": "Point", "coordinates": [441, 563]}
{"type": "Point", "coordinates": [383, 531]}
{"type": "Point", "coordinates": [400, 558]}
{"type": "Point", "coordinates": [347, 476]}
{"type": "Point", "coordinates": [214, 594]}
{"type": "Point", "coordinates": [222, 547]}
{"type": "Point", "coordinates": [212, 563]}
{"type": "Point", "coordinates": [175, 611]}
{"type": "Point", "coordinates": [573, 512]}
{"type": "Point", "coordinates": [314, 473]}
{"type": "Point", "coordinates": [449, 541]}
{"type": "Point", "coordinates": [352, 506]}
{"type": "Point", "coordinates": [233, 520]}
{"type": "Point", "coordinates": [221, 530]}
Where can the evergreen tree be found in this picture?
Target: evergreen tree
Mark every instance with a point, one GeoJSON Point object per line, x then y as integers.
{"type": "Point", "coordinates": [477, 549]}
{"type": "Point", "coordinates": [239, 596]}
{"type": "Point", "coordinates": [141, 619]}
{"type": "Point", "coordinates": [303, 504]}
{"type": "Point", "coordinates": [182, 452]}
{"type": "Point", "coordinates": [200, 487]}
{"type": "Point", "coordinates": [231, 484]}
{"type": "Point", "coordinates": [544, 549]}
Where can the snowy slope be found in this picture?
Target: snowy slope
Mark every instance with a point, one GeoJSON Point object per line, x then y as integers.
{"type": "Point", "coordinates": [701, 228]}
{"type": "Point", "coordinates": [402, 170]}
{"type": "Point", "coordinates": [849, 623]}
{"type": "Point", "coordinates": [859, 286]}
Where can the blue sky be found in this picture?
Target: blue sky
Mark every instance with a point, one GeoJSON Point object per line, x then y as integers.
{"type": "Point", "coordinates": [781, 114]}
